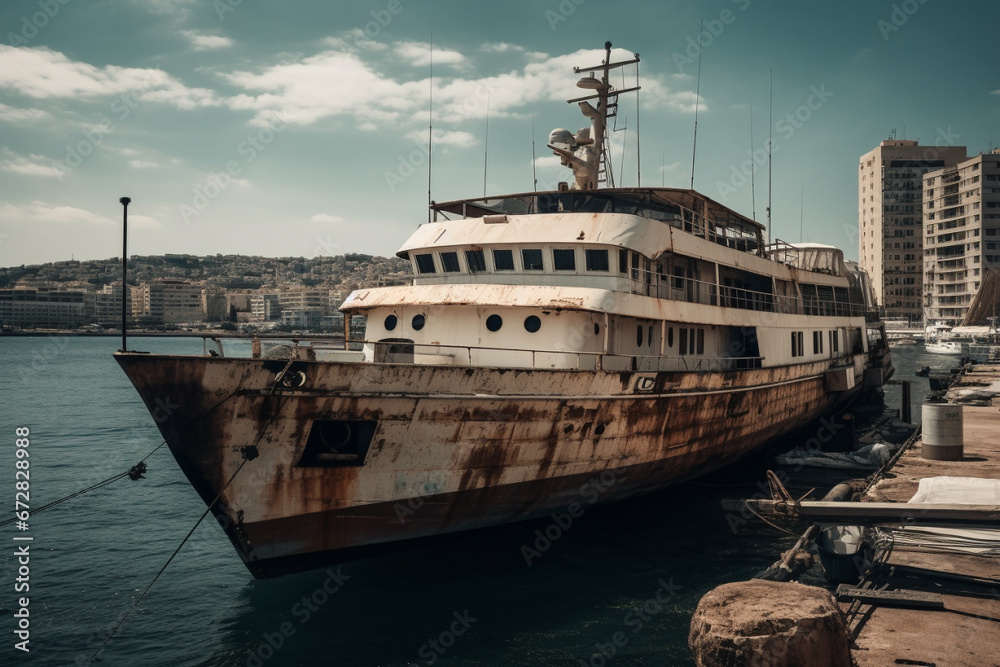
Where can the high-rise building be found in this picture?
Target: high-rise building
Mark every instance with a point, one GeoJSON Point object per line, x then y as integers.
{"type": "Point", "coordinates": [890, 234]}
{"type": "Point", "coordinates": [961, 234]}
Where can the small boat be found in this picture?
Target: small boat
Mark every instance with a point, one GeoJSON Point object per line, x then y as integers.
{"type": "Point", "coordinates": [943, 347]}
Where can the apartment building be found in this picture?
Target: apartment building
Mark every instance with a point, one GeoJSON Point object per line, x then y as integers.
{"type": "Point", "coordinates": [890, 220]}
{"type": "Point", "coordinates": [961, 219]}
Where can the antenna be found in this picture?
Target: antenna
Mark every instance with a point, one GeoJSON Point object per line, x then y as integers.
{"type": "Point", "coordinates": [697, 100]}
{"type": "Point", "coordinates": [624, 144]}
{"type": "Point", "coordinates": [770, 106]}
{"type": "Point", "coordinates": [430, 127]}
{"type": "Point", "coordinates": [486, 146]}
{"type": "Point", "coordinates": [534, 177]}
{"type": "Point", "coordinates": [753, 170]}
{"type": "Point", "coordinates": [638, 155]}
{"type": "Point", "coordinates": [802, 190]}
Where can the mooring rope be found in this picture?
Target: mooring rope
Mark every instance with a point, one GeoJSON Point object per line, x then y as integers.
{"type": "Point", "coordinates": [249, 454]}
{"type": "Point", "coordinates": [134, 473]}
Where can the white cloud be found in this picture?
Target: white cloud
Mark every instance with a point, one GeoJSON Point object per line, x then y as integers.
{"type": "Point", "coordinates": [326, 217]}
{"type": "Point", "coordinates": [548, 161]}
{"type": "Point", "coordinates": [142, 164]}
{"type": "Point", "coordinates": [203, 41]}
{"type": "Point", "coordinates": [996, 92]}
{"type": "Point", "coordinates": [41, 73]}
{"type": "Point", "coordinates": [39, 211]}
{"type": "Point", "coordinates": [444, 138]}
{"type": "Point", "coordinates": [300, 91]}
{"type": "Point", "coordinates": [15, 115]}
{"type": "Point", "coordinates": [32, 165]}
{"type": "Point", "coordinates": [143, 222]}
{"type": "Point", "coordinates": [419, 54]}
{"type": "Point", "coordinates": [501, 47]}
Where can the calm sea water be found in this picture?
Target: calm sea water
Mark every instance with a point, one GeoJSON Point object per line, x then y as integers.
{"type": "Point", "coordinates": [632, 572]}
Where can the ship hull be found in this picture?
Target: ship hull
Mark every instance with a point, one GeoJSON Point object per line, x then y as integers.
{"type": "Point", "coordinates": [449, 449]}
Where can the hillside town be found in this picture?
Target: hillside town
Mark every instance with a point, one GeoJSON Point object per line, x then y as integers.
{"type": "Point", "coordinates": [185, 292]}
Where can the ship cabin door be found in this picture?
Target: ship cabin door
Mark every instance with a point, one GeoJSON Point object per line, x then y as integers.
{"type": "Point", "coordinates": [744, 348]}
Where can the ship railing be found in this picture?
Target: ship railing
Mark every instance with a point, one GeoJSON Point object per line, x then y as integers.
{"type": "Point", "coordinates": [404, 352]}
{"type": "Point", "coordinates": [679, 288]}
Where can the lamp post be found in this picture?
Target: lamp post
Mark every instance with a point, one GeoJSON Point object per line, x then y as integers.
{"type": "Point", "coordinates": [125, 201]}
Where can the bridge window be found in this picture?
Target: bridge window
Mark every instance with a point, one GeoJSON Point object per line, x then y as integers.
{"type": "Point", "coordinates": [503, 260]}
{"type": "Point", "coordinates": [449, 260]}
{"type": "Point", "coordinates": [475, 260]}
{"type": "Point", "coordinates": [425, 264]}
{"type": "Point", "coordinates": [597, 260]}
{"type": "Point", "coordinates": [564, 260]}
{"type": "Point", "coordinates": [531, 259]}
{"type": "Point", "coordinates": [623, 261]}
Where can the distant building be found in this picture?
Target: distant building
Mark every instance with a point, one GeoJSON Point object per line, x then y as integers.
{"type": "Point", "coordinates": [214, 305]}
{"type": "Point", "coordinates": [41, 307]}
{"type": "Point", "coordinates": [961, 234]}
{"type": "Point", "coordinates": [306, 300]}
{"type": "Point", "coordinates": [890, 209]}
{"type": "Point", "coordinates": [104, 307]}
{"type": "Point", "coordinates": [264, 308]}
{"type": "Point", "coordinates": [167, 302]}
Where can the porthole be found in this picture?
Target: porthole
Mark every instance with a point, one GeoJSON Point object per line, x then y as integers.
{"type": "Point", "coordinates": [597, 328]}
{"type": "Point", "coordinates": [418, 322]}
{"type": "Point", "coordinates": [390, 322]}
{"type": "Point", "coordinates": [494, 322]}
{"type": "Point", "coordinates": [638, 335]}
{"type": "Point", "coordinates": [532, 323]}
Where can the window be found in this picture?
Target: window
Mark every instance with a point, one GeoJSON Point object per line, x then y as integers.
{"type": "Point", "coordinates": [494, 322]}
{"type": "Point", "coordinates": [503, 260]}
{"type": "Point", "coordinates": [678, 280]}
{"type": "Point", "coordinates": [532, 323]}
{"type": "Point", "coordinates": [835, 342]}
{"type": "Point", "coordinates": [597, 260]}
{"type": "Point", "coordinates": [635, 266]}
{"type": "Point", "coordinates": [649, 341]}
{"type": "Point", "coordinates": [817, 342]}
{"type": "Point", "coordinates": [638, 335]}
{"type": "Point", "coordinates": [670, 337]}
{"type": "Point", "coordinates": [531, 259]}
{"type": "Point", "coordinates": [682, 339]}
{"type": "Point", "coordinates": [701, 341]}
{"type": "Point", "coordinates": [390, 321]}
{"type": "Point", "coordinates": [418, 322]}
{"type": "Point", "coordinates": [564, 260]}
{"type": "Point", "coordinates": [623, 261]}
{"type": "Point", "coordinates": [449, 261]}
{"type": "Point", "coordinates": [425, 264]}
{"type": "Point", "coordinates": [798, 344]}
{"type": "Point", "coordinates": [475, 260]}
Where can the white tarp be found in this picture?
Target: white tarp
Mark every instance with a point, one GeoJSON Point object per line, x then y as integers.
{"type": "Point", "coordinates": [957, 491]}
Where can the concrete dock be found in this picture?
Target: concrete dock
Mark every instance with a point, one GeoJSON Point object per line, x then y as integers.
{"type": "Point", "coordinates": [966, 631]}
{"type": "Point", "coordinates": [932, 598]}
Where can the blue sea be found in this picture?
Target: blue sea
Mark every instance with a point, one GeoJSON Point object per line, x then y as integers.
{"type": "Point", "coordinates": [616, 587]}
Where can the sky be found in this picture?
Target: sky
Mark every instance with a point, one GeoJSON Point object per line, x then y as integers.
{"type": "Point", "coordinates": [299, 128]}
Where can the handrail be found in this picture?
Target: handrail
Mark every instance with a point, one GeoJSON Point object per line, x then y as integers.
{"type": "Point", "coordinates": [411, 353]}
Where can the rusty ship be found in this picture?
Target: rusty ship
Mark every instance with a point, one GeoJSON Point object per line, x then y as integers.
{"type": "Point", "coordinates": [550, 344]}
